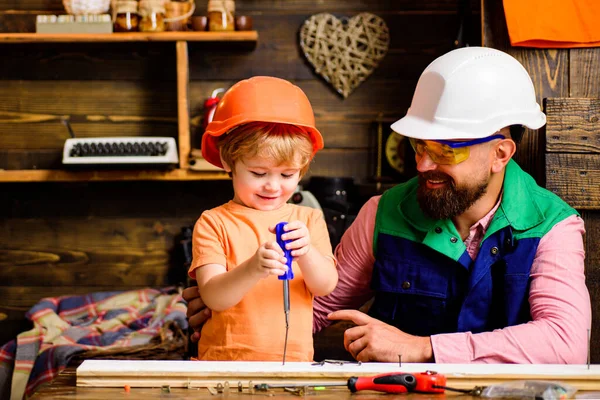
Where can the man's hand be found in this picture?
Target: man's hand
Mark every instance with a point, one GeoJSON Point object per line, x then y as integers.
{"type": "Point", "coordinates": [197, 312]}
{"type": "Point", "coordinates": [373, 340]}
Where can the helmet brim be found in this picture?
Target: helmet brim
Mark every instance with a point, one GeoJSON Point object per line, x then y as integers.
{"type": "Point", "coordinates": [419, 128]}
{"type": "Point", "coordinates": [210, 151]}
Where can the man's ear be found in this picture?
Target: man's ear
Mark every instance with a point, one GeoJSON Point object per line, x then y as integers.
{"type": "Point", "coordinates": [503, 152]}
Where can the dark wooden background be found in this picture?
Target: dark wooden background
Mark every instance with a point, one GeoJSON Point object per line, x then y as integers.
{"type": "Point", "coordinates": [72, 238]}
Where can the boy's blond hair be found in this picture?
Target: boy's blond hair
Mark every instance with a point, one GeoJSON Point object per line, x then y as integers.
{"type": "Point", "coordinates": [280, 142]}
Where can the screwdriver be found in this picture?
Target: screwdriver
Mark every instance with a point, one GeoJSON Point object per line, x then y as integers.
{"type": "Point", "coordinates": [394, 382]}
{"type": "Point", "coordinates": [289, 274]}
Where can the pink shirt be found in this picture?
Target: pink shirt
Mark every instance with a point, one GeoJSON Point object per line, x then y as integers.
{"type": "Point", "coordinates": [558, 296]}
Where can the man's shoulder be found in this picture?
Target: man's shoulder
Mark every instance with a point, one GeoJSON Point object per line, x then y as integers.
{"type": "Point", "coordinates": [529, 205]}
{"type": "Point", "coordinates": [544, 198]}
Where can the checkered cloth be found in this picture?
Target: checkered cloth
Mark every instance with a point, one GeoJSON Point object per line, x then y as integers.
{"type": "Point", "coordinates": [67, 325]}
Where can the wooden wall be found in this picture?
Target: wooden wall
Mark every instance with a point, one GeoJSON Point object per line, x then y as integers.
{"type": "Point", "coordinates": [556, 73]}
{"type": "Point", "coordinates": [70, 238]}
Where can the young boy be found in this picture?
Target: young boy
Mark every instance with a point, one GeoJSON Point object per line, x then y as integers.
{"type": "Point", "coordinates": [263, 135]}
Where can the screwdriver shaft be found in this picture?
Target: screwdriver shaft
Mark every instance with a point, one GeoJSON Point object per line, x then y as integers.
{"type": "Point", "coordinates": [286, 310]}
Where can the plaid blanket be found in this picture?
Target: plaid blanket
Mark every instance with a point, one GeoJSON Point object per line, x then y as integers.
{"type": "Point", "coordinates": [67, 325]}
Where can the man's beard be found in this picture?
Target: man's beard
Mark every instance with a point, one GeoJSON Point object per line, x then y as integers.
{"type": "Point", "coordinates": [448, 201]}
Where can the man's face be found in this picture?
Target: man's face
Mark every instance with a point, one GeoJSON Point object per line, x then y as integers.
{"type": "Point", "coordinates": [446, 191]}
{"type": "Point", "coordinates": [448, 197]}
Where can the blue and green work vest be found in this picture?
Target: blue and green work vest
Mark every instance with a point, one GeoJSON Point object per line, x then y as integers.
{"type": "Point", "coordinates": [425, 281]}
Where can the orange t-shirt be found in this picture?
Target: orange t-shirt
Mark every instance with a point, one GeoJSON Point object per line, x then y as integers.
{"type": "Point", "coordinates": [254, 329]}
{"type": "Point", "coordinates": [553, 23]}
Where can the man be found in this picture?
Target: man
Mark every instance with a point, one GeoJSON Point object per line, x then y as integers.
{"type": "Point", "coordinates": [471, 261]}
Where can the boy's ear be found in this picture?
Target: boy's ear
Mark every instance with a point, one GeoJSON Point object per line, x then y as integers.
{"type": "Point", "coordinates": [226, 166]}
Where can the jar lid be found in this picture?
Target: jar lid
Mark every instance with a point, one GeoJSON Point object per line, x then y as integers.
{"type": "Point", "coordinates": [148, 7]}
{"type": "Point", "coordinates": [124, 6]}
{"type": "Point", "coordinates": [221, 6]}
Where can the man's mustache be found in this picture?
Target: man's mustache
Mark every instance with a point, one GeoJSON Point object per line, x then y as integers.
{"type": "Point", "coordinates": [434, 176]}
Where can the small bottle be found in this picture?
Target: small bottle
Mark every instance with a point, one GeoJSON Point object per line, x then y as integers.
{"type": "Point", "coordinates": [221, 14]}
{"type": "Point", "coordinates": [152, 16]}
{"type": "Point", "coordinates": [126, 16]}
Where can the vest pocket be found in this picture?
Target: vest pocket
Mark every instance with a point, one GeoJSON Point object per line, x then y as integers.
{"type": "Point", "coordinates": [410, 295]}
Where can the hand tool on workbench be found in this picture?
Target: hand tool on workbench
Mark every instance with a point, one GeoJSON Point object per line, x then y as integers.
{"type": "Point", "coordinates": [432, 382]}
{"type": "Point", "coordinates": [395, 382]}
{"type": "Point", "coordinates": [279, 231]}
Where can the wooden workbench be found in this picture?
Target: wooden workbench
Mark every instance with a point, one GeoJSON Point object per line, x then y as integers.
{"type": "Point", "coordinates": [64, 388]}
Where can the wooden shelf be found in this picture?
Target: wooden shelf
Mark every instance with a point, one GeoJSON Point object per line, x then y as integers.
{"type": "Point", "coordinates": [199, 168]}
{"type": "Point", "coordinates": [109, 175]}
{"type": "Point", "coordinates": [237, 36]}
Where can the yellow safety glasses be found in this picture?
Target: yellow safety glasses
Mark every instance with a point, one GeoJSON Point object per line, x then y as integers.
{"type": "Point", "coordinates": [447, 152]}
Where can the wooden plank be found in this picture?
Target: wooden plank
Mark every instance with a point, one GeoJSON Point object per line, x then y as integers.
{"type": "Point", "coordinates": [52, 267]}
{"type": "Point", "coordinates": [96, 100]}
{"type": "Point", "coordinates": [342, 163]}
{"type": "Point", "coordinates": [142, 373]}
{"type": "Point", "coordinates": [64, 386]}
{"type": "Point", "coordinates": [36, 175]}
{"type": "Point", "coordinates": [329, 162]}
{"type": "Point", "coordinates": [573, 125]}
{"type": "Point", "coordinates": [29, 136]}
{"type": "Point", "coordinates": [575, 178]}
{"type": "Point", "coordinates": [183, 104]}
{"type": "Point", "coordinates": [31, 132]}
{"type": "Point", "coordinates": [104, 61]}
{"type": "Point", "coordinates": [413, 45]}
{"type": "Point", "coordinates": [584, 72]}
{"type": "Point", "coordinates": [234, 36]}
{"type": "Point", "coordinates": [549, 71]}
{"type": "Point", "coordinates": [23, 206]}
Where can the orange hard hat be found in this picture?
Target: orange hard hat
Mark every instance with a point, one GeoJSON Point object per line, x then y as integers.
{"type": "Point", "coordinates": [259, 99]}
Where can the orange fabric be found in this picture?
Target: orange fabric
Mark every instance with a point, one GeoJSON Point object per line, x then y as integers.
{"type": "Point", "coordinates": [553, 23]}
{"type": "Point", "coordinates": [254, 329]}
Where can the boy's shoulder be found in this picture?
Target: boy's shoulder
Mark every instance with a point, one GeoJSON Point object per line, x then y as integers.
{"type": "Point", "coordinates": [212, 215]}
{"type": "Point", "coordinates": [305, 213]}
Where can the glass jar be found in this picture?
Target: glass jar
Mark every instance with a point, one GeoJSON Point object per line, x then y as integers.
{"type": "Point", "coordinates": [221, 15]}
{"type": "Point", "coordinates": [126, 16]}
{"type": "Point", "coordinates": [152, 16]}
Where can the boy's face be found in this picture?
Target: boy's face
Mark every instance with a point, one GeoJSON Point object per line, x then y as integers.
{"type": "Point", "coordinates": [261, 184]}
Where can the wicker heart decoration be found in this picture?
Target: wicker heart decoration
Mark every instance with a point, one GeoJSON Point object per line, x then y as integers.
{"type": "Point", "coordinates": [344, 52]}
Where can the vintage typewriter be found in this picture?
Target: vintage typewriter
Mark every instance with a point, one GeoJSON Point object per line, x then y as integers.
{"type": "Point", "coordinates": [120, 151]}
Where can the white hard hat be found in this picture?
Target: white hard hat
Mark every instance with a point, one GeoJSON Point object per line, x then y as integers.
{"type": "Point", "coordinates": [471, 93]}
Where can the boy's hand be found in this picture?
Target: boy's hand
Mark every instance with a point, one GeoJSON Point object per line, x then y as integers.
{"type": "Point", "coordinates": [299, 237]}
{"type": "Point", "coordinates": [270, 260]}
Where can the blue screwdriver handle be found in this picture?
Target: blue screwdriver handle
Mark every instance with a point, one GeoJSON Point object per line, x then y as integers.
{"type": "Point", "coordinates": [288, 253]}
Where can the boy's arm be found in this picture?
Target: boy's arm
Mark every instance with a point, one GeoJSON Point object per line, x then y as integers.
{"type": "Point", "coordinates": [318, 265]}
{"type": "Point", "coordinates": [221, 289]}
{"type": "Point", "coordinates": [319, 272]}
